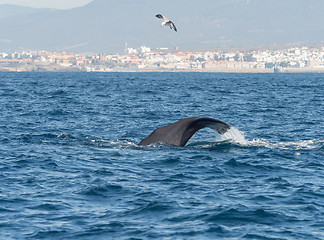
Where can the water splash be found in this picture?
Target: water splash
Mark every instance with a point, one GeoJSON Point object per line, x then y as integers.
{"type": "Point", "coordinates": [236, 136]}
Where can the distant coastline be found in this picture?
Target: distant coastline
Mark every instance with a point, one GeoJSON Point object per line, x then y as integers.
{"type": "Point", "coordinates": [144, 59]}
{"type": "Point", "coordinates": [285, 70]}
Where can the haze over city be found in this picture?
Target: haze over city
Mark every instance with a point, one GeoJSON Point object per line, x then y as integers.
{"type": "Point", "coordinates": [106, 25]}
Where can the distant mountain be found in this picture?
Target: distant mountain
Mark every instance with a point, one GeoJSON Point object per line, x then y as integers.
{"type": "Point", "coordinates": [106, 25]}
{"type": "Point", "coordinates": [7, 10]}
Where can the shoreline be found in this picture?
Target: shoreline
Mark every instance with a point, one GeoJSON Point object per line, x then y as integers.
{"type": "Point", "coordinates": [218, 70]}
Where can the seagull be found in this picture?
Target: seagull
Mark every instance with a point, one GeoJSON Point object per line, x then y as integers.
{"type": "Point", "coordinates": [166, 22]}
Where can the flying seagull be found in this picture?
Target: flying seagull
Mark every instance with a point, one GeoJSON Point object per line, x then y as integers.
{"type": "Point", "coordinates": [166, 22]}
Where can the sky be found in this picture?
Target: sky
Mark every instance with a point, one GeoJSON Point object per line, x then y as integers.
{"type": "Point", "coordinates": [214, 24]}
{"type": "Point", "coordinates": [58, 4]}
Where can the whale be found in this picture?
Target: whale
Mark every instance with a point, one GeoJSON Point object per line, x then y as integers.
{"type": "Point", "coordinates": [180, 132]}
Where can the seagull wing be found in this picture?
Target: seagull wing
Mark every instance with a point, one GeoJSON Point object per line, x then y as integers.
{"type": "Point", "coordinates": [172, 26]}
{"type": "Point", "coordinates": [162, 17]}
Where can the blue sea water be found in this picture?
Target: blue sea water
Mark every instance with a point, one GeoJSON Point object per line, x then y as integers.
{"type": "Point", "coordinates": [70, 166]}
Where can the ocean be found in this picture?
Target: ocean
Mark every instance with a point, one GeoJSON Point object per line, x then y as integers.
{"type": "Point", "coordinates": [71, 168]}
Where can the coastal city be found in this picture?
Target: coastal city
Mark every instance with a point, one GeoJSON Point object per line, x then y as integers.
{"type": "Point", "coordinates": [145, 59]}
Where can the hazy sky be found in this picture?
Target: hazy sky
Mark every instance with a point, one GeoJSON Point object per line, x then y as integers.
{"type": "Point", "coordinates": [59, 4]}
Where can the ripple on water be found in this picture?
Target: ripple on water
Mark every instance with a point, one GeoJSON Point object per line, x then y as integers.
{"type": "Point", "coordinates": [71, 168]}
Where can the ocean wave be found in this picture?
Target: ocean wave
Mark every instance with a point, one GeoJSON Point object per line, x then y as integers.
{"type": "Point", "coordinates": [102, 190]}
{"type": "Point", "coordinates": [259, 216]}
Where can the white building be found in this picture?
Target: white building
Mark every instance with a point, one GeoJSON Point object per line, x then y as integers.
{"type": "Point", "coordinates": [144, 49]}
{"type": "Point", "coordinates": [131, 51]}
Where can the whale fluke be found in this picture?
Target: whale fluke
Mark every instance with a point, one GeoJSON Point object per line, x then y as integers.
{"type": "Point", "coordinates": [180, 132]}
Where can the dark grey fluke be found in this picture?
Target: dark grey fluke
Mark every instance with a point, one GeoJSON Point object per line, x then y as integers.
{"type": "Point", "coordinates": [180, 132]}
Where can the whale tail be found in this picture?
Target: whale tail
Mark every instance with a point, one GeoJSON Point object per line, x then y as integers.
{"type": "Point", "coordinates": [180, 132]}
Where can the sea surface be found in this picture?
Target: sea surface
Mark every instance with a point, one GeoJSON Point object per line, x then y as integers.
{"type": "Point", "coordinates": [70, 166]}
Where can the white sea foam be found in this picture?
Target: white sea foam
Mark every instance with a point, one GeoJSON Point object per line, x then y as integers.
{"type": "Point", "coordinates": [236, 136]}
{"type": "Point", "coordinates": [297, 145]}
{"type": "Point", "coordinates": [110, 144]}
